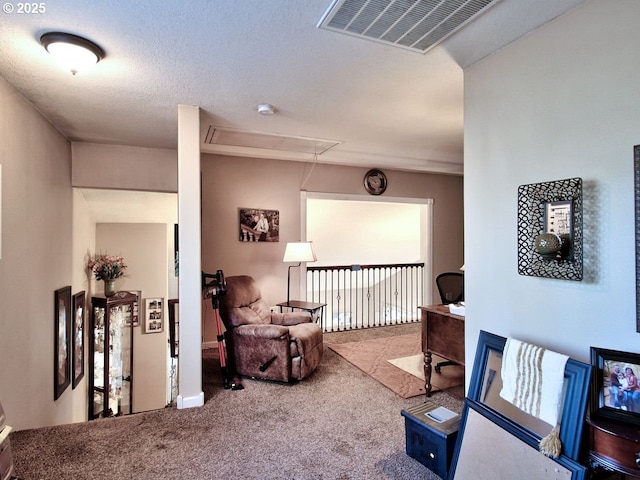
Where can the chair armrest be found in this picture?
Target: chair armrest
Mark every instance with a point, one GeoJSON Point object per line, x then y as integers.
{"type": "Point", "coordinates": [262, 330]}
{"type": "Point", "coordinates": [290, 318]}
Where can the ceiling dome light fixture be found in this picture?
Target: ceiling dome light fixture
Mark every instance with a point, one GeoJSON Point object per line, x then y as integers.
{"type": "Point", "coordinates": [72, 52]}
{"type": "Point", "coordinates": [266, 109]}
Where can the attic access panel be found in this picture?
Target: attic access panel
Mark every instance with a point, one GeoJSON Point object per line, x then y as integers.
{"type": "Point", "coordinates": [416, 25]}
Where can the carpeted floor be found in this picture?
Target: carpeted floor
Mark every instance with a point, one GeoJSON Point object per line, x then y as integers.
{"type": "Point", "coordinates": [372, 357]}
{"type": "Point", "coordinates": [338, 424]}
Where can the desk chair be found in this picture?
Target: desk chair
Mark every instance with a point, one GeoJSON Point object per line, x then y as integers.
{"type": "Point", "coordinates": [451, 288]}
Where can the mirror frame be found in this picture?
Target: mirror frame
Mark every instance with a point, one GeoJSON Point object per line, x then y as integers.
{"type": "Point", "coordinates": [522, 435]}
{"type": "Point", "coordinates": [577, 379]}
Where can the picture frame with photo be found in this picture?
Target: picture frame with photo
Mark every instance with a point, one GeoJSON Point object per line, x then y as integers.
{"type": "Point", "coordinates": [153, 315]}
{"type": "Point", "coordinates": [62, 341]}
{"type": "Point", "coordinates": [79, 322]}
{"type": "Point", "coordinates": [134, 317]}
{"type": "Point", "coordinates": [615, 389]}
{"type": "Point", "coordinates": [259, 225]}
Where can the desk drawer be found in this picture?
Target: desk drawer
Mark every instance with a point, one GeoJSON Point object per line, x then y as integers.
{"type": "Point", "coordinates": [621, 451]}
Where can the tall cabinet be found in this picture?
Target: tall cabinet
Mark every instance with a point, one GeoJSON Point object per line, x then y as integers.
{"type": "Point", "coordinates": [111, 355]}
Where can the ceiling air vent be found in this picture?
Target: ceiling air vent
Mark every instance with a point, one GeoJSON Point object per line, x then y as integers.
{"type": "Point", "coordinates": [416, 25]}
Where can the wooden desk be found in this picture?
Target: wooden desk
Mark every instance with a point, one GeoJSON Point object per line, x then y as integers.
{"type": "Point", "coordinates": [442, 334]}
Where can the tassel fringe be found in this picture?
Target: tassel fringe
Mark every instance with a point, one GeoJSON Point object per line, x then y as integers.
{"type": "Point", "coordinates": [551, 445]}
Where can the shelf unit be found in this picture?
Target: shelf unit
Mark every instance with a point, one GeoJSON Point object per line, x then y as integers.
{"type": "Point", "coordinates": [111, 355]}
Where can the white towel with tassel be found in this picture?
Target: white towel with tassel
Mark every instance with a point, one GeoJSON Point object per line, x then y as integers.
{"type": "Point", "coordinates": [532, 380]}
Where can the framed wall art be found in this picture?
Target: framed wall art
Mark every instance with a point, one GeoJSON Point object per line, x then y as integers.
{"type": "Point", "coordinates": [133, 317]}
{"type": "Point", "coordinates": [259, 225]}
{"type": "Point", "coordinates": [79, 321]}
{"type": "Point", "coordinates": [615, 390]}
{"type": "Point", "coordinates": [375, 182]}
{"type": "Point", "coordinates": [636, 178]}
{"type": "Point", "coordinates": [62, 341]}
{"type": "Point", "coordinates": [153, 317]}
{"type": "Point", "coordinates": [550, 229]}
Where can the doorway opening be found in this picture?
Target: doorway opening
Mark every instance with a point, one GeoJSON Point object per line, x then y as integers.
{"type": "Point", "coordinates": [374, 258]}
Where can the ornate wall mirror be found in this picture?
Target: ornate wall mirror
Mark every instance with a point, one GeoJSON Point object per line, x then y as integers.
{"type": "Point", "coordinates": [485, 385]}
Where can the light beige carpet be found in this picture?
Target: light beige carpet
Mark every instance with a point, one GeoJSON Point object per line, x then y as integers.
{"type": "Point", "coordinates": [372, 357]}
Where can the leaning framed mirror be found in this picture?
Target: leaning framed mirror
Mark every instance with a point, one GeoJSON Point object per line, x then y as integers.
{"type": "Point", "coordinates": [486, 383]}
{"type": "Point", "coordinates": [508, 454]}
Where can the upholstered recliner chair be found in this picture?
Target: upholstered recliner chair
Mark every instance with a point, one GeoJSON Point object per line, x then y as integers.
{"type": "Point", "coordinates": [272, 346]}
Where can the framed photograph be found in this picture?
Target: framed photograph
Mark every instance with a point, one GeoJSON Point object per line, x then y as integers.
{"type": "Point", "coordinates": [259, 225]}
{"type": "Point", "coordinates": [133, 318]}
{"type": "Point", "coordinates": [62, 341]}
{"type": "Point", "coordinates": [153, 315]}
{"type": "Point", "coordinates": [79, 321]}
{"type": "Point", "coordinates": [615, 388]}
{"type": "Point", "coordinates": [558, 217]}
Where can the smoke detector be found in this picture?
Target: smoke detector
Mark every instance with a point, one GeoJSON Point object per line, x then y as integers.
{"type": "Point", "coordinates": [266, 109]}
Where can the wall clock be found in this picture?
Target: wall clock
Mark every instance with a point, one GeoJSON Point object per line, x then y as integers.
{"type": "Point", "coordinates": [375, 182]}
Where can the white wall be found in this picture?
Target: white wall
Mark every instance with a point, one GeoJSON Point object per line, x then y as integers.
{"type": "Point", "coordinates": [371, 232]}
{"type": "Point", "coordinates": [561, 102]}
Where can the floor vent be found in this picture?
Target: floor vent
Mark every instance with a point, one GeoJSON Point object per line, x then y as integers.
{"type": "Point", "coordinates": [416, 25]}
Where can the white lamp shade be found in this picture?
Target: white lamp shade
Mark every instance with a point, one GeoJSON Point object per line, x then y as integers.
{"type": "Point", "coordinates": [297, 252]}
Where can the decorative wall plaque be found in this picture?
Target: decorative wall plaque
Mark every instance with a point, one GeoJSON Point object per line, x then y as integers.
{"type": "Point", "coordinates": [553, 208]}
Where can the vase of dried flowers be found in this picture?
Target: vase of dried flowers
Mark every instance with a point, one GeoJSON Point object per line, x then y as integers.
{"type": "Point", "coordinates": [107, 268]}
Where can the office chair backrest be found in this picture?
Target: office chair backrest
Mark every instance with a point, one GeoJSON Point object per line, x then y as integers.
{"type": "Point", "coordinates": [451, 287]}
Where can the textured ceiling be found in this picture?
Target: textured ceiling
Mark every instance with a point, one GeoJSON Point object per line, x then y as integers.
{"type": "Point", "coordinates": [384, 106]}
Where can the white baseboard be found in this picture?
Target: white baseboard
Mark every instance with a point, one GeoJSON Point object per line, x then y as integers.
{"type": "Point", "coordinates": [209, 345]}
{"type": "Point", "coordinates": [190, 402]}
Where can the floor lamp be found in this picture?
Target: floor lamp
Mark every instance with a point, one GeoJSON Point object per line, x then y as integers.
{"type": "Point", "coordinates": [297, 252]}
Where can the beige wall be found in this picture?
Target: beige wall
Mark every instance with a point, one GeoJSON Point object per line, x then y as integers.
{"type": "Point", "coordinates": [84, 240]}
{"type": "Point", "coordinates": [229, 183]}
{"type": "Point", "coordinates": [144, 248]}
{"type": "Point", "coordinates": [124, 167]}
{"type": "Point", "coordinates": [37, 239]}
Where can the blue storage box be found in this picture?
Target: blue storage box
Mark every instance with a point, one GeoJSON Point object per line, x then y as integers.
{"type": "Point", "coordinates": [429, 441]}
